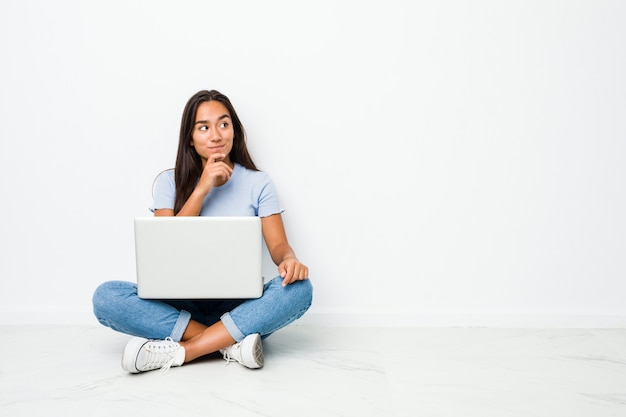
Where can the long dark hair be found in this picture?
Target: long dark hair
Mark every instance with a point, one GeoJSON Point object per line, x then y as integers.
{"type": "Point", "coordinates": [188, 163]}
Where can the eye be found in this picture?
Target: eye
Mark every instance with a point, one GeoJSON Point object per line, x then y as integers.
{"type": "Point", "coordinates": [203, 127]}
{"type": "Point", "coordinates": [223, 125]}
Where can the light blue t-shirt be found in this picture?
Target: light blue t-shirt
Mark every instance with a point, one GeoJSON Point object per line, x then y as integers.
{"type": "Point", "coordinates": [247, 193]}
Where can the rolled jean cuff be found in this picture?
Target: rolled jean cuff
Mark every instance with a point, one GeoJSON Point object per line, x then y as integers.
{"type": "Point", "coordinates": [232, 328]}
{"type": "Point", "coordinates": [181, 325]}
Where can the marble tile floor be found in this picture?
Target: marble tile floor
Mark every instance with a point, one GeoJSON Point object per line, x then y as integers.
{"type": "Point", "coordinates": [57, 370]}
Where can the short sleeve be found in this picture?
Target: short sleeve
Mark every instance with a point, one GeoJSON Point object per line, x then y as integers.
{"type": "Point", "coordinates": [269, 203]}
{"type": "Point", "coordinates": [164, 191]}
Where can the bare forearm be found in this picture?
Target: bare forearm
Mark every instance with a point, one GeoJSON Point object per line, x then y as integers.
{"type": "Point", "coordinates": [193, 205]}
{"type": "Point", "coordinates": [282, 252]}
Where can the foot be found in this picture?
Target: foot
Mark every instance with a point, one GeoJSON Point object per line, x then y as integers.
{"type": "Point", "coordinates": [142, 355]}
{"type": "Point", "coordinates": [248, 352]}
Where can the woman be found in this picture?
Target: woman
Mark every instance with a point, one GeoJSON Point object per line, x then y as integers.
{"type": "Point", "coordinates": [214, 176]}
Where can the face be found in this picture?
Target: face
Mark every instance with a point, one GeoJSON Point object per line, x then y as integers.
{"type": "Point", "coordinates": [213, 131]}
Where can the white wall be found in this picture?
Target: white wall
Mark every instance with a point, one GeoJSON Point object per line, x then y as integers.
{"type": "Point", "coordinates": [441, 163]}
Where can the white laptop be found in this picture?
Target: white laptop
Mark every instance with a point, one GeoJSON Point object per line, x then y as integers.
{"type": "Point", "coordinates": [198, 257]}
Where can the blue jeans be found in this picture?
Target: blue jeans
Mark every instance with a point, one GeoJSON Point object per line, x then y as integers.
{"type": "Point", "coordinates": [116, 305]}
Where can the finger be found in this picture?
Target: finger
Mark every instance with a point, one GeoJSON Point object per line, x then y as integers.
{"type": "Point", "coordinates": [286, 275]}
{"type": "Point", "coordinates": [225, 174]}
{"type": "Point", "coordinates": [304, 274]}
{"type": "Point", "coordinates": [217, 171]}
{"type": "Point", "coordinates": [300, 272]}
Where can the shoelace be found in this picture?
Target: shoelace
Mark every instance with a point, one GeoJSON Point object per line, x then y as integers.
{"type": "Point", "coordinates": [228, 357]}
{"type": "Point", "coordinates": [157, 351]}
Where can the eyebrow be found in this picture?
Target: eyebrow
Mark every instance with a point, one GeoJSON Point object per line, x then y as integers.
{"type": "Point", "coordinates": [225, 116]}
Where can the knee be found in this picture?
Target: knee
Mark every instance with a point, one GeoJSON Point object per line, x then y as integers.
{"type": "Point", "coordinates": [107, 295]}
{"type": "Point", "coordinates": [302, 293]}
{"type": "Point", "coordinates": [301, 298]}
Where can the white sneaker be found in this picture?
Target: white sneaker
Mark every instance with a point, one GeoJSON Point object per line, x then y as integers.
{"type": "Point", "coordinates": [248, 352]}
{"type": "Point", "coordinates": [145, 355]}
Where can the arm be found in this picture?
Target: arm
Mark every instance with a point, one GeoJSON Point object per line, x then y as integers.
{"type": "Point", "coordinates": [289, 267]}
{"type": "Point", "coordinates": [192, 206]}
{"type": "Point", "coordinates": [215, 172]}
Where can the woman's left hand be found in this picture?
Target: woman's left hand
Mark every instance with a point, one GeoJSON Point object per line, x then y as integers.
{"type": "Point", "coordinates": [292, 270]}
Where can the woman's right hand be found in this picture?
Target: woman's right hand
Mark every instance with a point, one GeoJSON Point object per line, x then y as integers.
{"type": "Point", "coordinates": [216, 172]}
